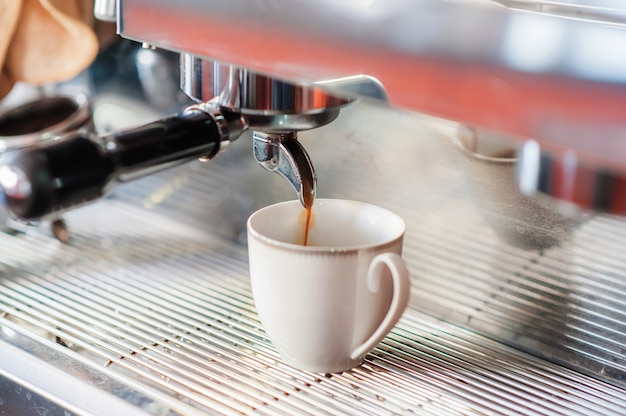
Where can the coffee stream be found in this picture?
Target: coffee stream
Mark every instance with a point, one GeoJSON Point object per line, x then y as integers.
{"type": "Point", "coordinates": [309, 197]}
{"type": "Point", "coordinates": [305, 222]}
{"type": "Point", "coordinates": [307, 225]}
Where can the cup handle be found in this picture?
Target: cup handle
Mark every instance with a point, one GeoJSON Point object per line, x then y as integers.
{"type": "Point", "coordinates": [399, 300]}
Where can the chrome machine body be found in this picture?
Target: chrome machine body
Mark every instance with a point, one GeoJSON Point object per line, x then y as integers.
{"type": "Point", "coordinates": [495, 128]}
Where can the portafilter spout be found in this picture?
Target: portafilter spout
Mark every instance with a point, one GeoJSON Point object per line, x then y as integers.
{"type": "Point", "coordinates": [283, 154]}
{"type": "Point", "coordinates": [274, 110]}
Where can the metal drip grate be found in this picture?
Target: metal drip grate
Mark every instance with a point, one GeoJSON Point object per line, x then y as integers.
{"type": "Point", "coordinates": [566, 305]}
{"type": "Point", "coordinates": [150, 302]}
{"type": "Point", "coordinates": [180, 326]}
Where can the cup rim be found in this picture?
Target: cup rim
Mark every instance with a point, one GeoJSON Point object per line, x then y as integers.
{"type": "Point", "coordinates": [382, 244]}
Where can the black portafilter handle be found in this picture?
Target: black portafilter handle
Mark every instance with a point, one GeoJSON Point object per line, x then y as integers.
{"type": "Point", "coordinates": [70, 170]}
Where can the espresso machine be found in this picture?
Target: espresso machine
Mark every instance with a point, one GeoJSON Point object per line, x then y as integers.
{"type": "Point", "coordinates": [493, 127]}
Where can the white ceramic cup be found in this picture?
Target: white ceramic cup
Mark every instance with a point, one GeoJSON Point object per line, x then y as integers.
{"type": "Point", "coordinates": [324, 306]}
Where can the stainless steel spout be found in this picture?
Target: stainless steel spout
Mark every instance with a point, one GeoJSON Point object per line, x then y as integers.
{"type": "Point", "coordinates": [276, 110]}
{"type": "Point", "coordinates": [283, 154]}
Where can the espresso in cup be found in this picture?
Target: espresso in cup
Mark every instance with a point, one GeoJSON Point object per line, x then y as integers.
{"type": "Point", "coordinates": [326, 304]}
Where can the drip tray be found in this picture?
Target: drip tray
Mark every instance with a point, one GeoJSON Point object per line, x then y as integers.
{"type": "Point", "coordinates": [160, 315]}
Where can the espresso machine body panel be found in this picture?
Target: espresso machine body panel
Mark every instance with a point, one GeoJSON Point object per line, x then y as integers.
{"type": "Point", "coordinates": [529, 75]}
{"type": "Point", "coordinates": [550, 75]}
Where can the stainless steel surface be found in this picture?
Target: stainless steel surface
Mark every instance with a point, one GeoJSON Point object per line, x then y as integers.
{"type": "Point", "coordinates": [256, 94]}
{"type": "Point", "coordinates": [201, 79]}
{"type": "Point", "coordinates": [31, 386]}
{"type": "Point", "coordinates": [605, 11]}
{"type": "Point", "coordinates": [283, 154]}
{"type": "Point", "coordinates": [536, 76]}
{"type": "Point", "coordinates": [252, 93]}
{"type": "Point", "coordinates": [158, 75]}
{"type": "Point", "coordinates": [570, 182]}
{"type": "Point", "coordinates": [268, 104]}
{"type": "Point", "coordinates": [150, 300]}
{"type": "Point", "coordinates": [523, 220]}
